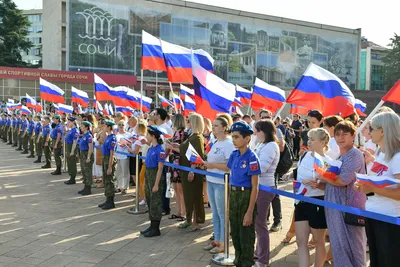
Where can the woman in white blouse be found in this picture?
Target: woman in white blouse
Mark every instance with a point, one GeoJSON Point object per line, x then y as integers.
{"type": "Point", "coordinates": [329, 125]}
{"type": "Point", "coordinates": [268, 153]}
{"type": "Point", "coordinates": [309, 217]}
{"type": "Point", "coordinates": [384, 238]}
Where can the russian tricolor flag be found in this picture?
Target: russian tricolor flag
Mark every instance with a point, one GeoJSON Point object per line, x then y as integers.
{"type": "Point", "coordinates": [127, 111]}
{"type": "Point", "coordinates": [189, 105]}
{"type": "Point", "coordinates": [193, 156]}
{"type": "Point", "coordinates": [394, 94]}
{"type": "Point", "coordinates": [133, 99]}
{"type": "Point", "coordinates": [186, 91]}
{"type": "Point", "coordinates": [298, 110]}
{"type": "Point", "coordinates": [322, 90]}
{"type": "Point", "coordinates": [267, 96]}
{"type": "Point", "coordinates": [110, 109]}
{"type": "Point", "coordinates": [56, 107]}
{"type": "Point", "coordinates": [50, 92]}
{"type": "Point", "coordinates": [102, 90]}
{"type": "Point", "coordinates": [25, 110]}
{"type": "Point", "coordinates": [152, 54]}
{"type": "Point", "coordinates": [80, 97]}
{"type": "Point", "coordinates": [30, 102]}
{"type": "Point", "coordinates": [178, 60]}
{"type": "Point", "coordinates": [204, 59]}
{"type": "Point", "coordinates": [376, 181]}
{"type": "Point", "coordinates": [165, 102]}
{"type": "Point", "coordinates": [15, 106]}
{"type": "Point", "coordinates": [65, 109]}
{"type": "Point", "coordinates": [299, 188]}
{"type": "Point", "coordinates": [177, 101]}
{"type": "Point", "coordinates": [118, 95]}
{"type": "Point", "coordinates": [360, 107]}
{"type": "Point", "coordinates": [105, 110]}
{"type": "Point", "coordinates": [237, 102]}
{"type": "Point", "coordinates": [146, 102]}
{"type": "Point", "coordinates": [209, 145]}
{"type": "Point", "coordinates": [326, 167]}
{"type": "Point", "coordinates": [38, 107]}
{"type": "Point", "coordinates": [244, 94]}
{"type": "Point", "coordinates": [212, 94]}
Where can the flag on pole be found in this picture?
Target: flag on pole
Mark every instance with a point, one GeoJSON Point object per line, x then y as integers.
{"type": "Point", "coordinates": [25, 110]}
{"type": "Point", "coordinates": [177, 101]}
{"type": "Point", "coordinates": [186, 91]}
{"type": "Point", "coordinates": [360, 107]}
{"type": "Point", "coordinates": [178, 61]}
{"type": "Point", "coordinates": [118, 95]}
{"type": "Point", "coordinates": [322, 90]}
{"type": "Point", "coordinates": [102, 90]}
{"type": "Point", "coordinates": [189, 105]}
{"type": "Point", "coordinates": [152, 55]}
{"type": "Point", "coordinates": [80, 97]}
{"type": "Point", "coordinates": [165, 102]}
{"type": "Point", "coordinates": [193, 156]}
{"type": "Point", "coordinates": [50, 92]}
{"type": "Point", "coordinates": [298, 110]}
{"type": "Point", "coordinates": [244, 94]}
{"type": "Point", "coordinates": [394, 94]}
{"type": "Point", "coordinates": [65, 109]}
{"type": "Point", "coordinates": [30, 102]}
{"type": "Point", "coordinates": [267, 96]}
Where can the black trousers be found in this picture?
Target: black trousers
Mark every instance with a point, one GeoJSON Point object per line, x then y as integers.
{"type": "Point", "coordinates": [384, 243]}
{"type": "Point", "coordinates": [296, 146]}
{"type": "Point", "coordinates": [276, 205]}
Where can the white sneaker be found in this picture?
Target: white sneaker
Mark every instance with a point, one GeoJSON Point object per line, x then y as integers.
{"type": "Point", "coordinates": [142, 203]}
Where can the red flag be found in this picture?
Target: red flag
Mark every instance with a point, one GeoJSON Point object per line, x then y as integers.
{"type": "Point", "coordinates": [394, 94]}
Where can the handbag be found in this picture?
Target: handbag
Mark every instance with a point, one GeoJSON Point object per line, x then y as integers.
{"type": "Point", "coordinates": [353, 219]}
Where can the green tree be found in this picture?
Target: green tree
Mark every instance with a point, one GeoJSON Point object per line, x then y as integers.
{"type": "Point", "coordinates": [392, 62]}
{"type": "Point", "coordinates": [13, 34]}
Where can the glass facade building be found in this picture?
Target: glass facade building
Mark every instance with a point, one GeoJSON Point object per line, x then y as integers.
{"type": "Point", "coordinates": [106, 37]}
{"type": "Point", "coordinates": [372, 72]}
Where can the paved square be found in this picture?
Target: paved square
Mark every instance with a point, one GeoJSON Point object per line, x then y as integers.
{"type": "Point", "coordinates": [46, 223]}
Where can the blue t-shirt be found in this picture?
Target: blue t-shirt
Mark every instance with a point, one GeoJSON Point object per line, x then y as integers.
{"type": "Point", "coordinates": [71, 136]}
{"type": "Point", "coordinates": [14, 122]}
{"type": "Point", "coordinates": [46, 130]}
{"type": "Point", "coordinates": [57, 130]}
{"type": "Point", "coordinates": [24, 125]}
{"type": "Point", "coordinates": [31, 127]}
{"type": "Point", "coordinates": [38, 128]}
{"type": "Point", "coordinates": [109, 144]}
{"type": "Point", "coordinates": [154, 155]}
{"type": "Point", "coordinates": [296, 126]}
{"type": "Point", "coordinates": [19, 122]}
{"type": "Point", "coordinates": [9, 122]}
{"type": "Point", "coordinates": [86, 139]}
{"type": "Point", "coordinates": [243, 167]}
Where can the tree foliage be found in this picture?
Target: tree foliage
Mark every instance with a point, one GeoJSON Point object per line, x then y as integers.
{"type": "Point", "coordinates": [13, 34]}
{"type": "Point", "coordinates": [392, 62]}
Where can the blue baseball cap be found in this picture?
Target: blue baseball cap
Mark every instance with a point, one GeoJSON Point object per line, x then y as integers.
{"type": "Point", "coordinates": [241, 126]}
{"type": "Point", "coordinates": [87, 123]}
{"type": "Point", "coordinates": [71, 118]}
{"type": "Point", "coordinates": [154, 129]}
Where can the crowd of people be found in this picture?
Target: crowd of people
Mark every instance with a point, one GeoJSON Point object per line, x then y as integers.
{"type": "Point", "coordinates": [257, 151]}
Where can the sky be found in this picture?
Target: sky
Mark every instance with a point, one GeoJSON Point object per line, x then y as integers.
{"type": "Point", "coordinates": [377, 19]}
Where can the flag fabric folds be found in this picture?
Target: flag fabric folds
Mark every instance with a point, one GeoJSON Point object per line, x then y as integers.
{"type": "Point", "coordinates": [212, 94]}
{"type": "Point", "coordinates": [193, 156]}
{"type": "Point", "coordinates": [152, 55]}
{"type": "Point", "coordinates": [102, 90]}
{"type": "Point", "coordinates": [186, 91]}
{"type": "Point", "coordinates": [146, 102]}
{"type": "Point", "coordinates": [105, 110]}
{"type": "Point", "coordinates": [204, 59]}
{"type": "Point", "coordinates": [30, 102]}
{"type": "Point", "coordinates": [165, 102]}
{"type": "Point", "coordinates": [298, 110]}
{"type": "Point", "coordinates": [110, 110]}
{"type": "Point", "coordinates": [325, 167]}
{"type": "Point", "coordinates": [267, 96]}
{"type": "Point", "coordinates": [177, 102]}
{"type": "Point", "coordinates": [376, 181]}
{"type": "Point", "coordinates": [80, 97]}
{"type": "Point", "coordinates": [393, 95]}
{"type": "Point", "coordinates": [189, 105]}
{"type": "Point", "coordinates": [65, 109]}
{"type": "Point", "coordinates": [178, 61]}
{"type": "Point", "coordinates": [360, 107]}
{"type": "Point", "coordinates": [244, 94]}
{"type": "Point", "coordinates": [38, 107]}
{"type": "Point", "coordinates": [237, 102]}
{"type": "Point", "coordinates": [118, 95]}
{"type": "Point", "coordinates": [25, 110]}
{"type": "Point", "coordinates": [322, 90]}
{"type": "Point", "coordinates": [50, 92]}
{"type": "Point", "coordinates": [299, 188]}
{"type": "Point", "coordinates": [127, 111]}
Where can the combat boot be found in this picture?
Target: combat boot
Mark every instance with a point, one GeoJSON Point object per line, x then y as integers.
{"type": "Point", "coordinates": [47, 166]}
{"type": "Point", "coordinates": [31, 156]}
{"type": "Point", "coordinates": [87, 190]}
{"type": "Point", "coordinates": [146, 231]}
{"type": "Point", "coordinates": [25, 152]}
{"type": "Point", "coordinates": [103, 204]}
{"type": "Point", "coordinates": [109, 204]}
{"type": "Point", "coordinates": [155, 229]}
{"type": "Point", "coordinates": [70, 181]}
{"type": "Point", "coordinates": [18, 149]}
{"type": "Point", "coordinates": [39, 160]}
{"type": "Point", "coordinates": [57, 171]}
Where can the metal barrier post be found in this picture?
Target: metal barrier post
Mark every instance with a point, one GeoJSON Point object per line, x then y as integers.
{"type": "Point", "coordinates": [225, 259]}
{"type": "Point", "coordinates": [137, 209]}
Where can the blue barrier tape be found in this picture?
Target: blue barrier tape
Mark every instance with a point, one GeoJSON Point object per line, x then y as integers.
{"type": "Point", "coordinates": [325, 204]}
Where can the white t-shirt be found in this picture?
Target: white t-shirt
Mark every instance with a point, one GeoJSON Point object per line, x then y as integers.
{"type": "Point", "coordinates": [219, 153]}
{"type": "Point", "coordinates": [381, 204]}
{"type": "Point", "coordinates": [168, 130]}
{"type": "Point", "coordinates": [268, 155]}
{"type": "Point", "coordinates": [139, 143]}
{"type": "Point", "coordinates": [254, 142]}
{"type": "Point", "coordinates": [373, 147]}
{"type": "Point", "coordinates": [119, 148]}
{"type": "Point", "coordinates": [305, 171]}
{"type": "Point", "coordinates": [334, 151]}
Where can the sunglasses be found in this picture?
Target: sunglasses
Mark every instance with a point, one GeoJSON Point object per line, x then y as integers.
{"type": "Point", "coordinates": [266, 117]}
{"type": "Point", "coordinates": [121, 125]}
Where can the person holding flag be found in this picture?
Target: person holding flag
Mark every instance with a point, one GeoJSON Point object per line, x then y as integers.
{"type": "Point", "coordinates": [56, 136]}
{"type": "Point", "coordinates": [71, 140]}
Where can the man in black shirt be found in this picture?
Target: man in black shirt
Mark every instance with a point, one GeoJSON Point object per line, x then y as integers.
{"type": "Point", "coordinates": [298, 128]}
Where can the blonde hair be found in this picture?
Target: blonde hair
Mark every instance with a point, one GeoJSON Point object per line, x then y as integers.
{"type": "Point", "coordinates": [322, 135]}
{"type": "Point", "coordinates": [197, 123]}
{"type": "Point", "coordinates": [207, 125]}
{"type": "Point", "coordinates": [227, 117]}
{"type": "Point", "coordinates": [390, 124]}
{"type": "Point", "coordinates": [141, 127]}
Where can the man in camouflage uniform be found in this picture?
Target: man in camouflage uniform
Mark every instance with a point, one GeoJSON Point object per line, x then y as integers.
{"type": "Point", "coordinates": [15, 130]}
{"type": "Point", "coordinates": [47, 142]}
{"type": "Point", "coordinates": [38, 139]}
{"type": "Point", "coordinates": [56, 136]}
{"type": "Point", "coordinates": [24, 133]}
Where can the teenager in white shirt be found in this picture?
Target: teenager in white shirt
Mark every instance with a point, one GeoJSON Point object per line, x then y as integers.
{"type": "Point", "coordinates": [122, 172]}
{"type": "Point", "coordinates": [329, 125]}
{"type": "Point", "coordinates": [384, 238]}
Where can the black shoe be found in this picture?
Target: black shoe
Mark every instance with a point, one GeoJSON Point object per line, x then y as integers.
{"type": "Point", "coordinates": [165, 213]}
{"type": "Point", "coordinates": [109, 204]}
{"type": "Point", "coordinates": [70, 181]}
{"type": "Point", "coordinates": [47, 166]}
{"type": "Point", "coordinates": [276, 227]}
{"type": "Point", "coordinates": [145, 231]}
{"type": "Point", "coordinates": [57, 171]}
{"type": "Point", "coordinates": [18, 149]}
{"type": "Point", "coordinates": [39, 160]}
{"type": "Point", "coordinates": [103, 204]}
{"type": "Point", "coordinates": [87, 190]}
{"type": "Point", "coordinates": [14, 145]}
{"type": "Point", "coordinates": [9, 143]}
{"type": "Point", "coordinates": [31, 156]}
{"type": "Point", "coordinates": [24, 152]}
{"type": "Point", "coordinates": [155, 229]}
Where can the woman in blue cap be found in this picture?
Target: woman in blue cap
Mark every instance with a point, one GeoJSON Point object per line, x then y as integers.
{"type": "Point", "coordinates": [71, 139]}
{"type": "Point", "coordinates": [155, 160]}
{"type": "Point", "coordinates": [87, 158]}
{"type": "Point", "coordinates": [109, 164]}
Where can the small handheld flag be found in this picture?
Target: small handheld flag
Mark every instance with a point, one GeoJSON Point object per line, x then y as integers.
{"type": "Point", "coordinates": [376, 181]}
{"type": "Point", "coordinates": [193, 156]}
{"type": "Point", "coordinates": [326, 167]}
{"type": "Point", "coordinates": [299, 188]}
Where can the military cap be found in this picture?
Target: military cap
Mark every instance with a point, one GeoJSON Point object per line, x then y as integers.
{"type": "Point", "coordinates": [109, 122]}
{"type": "Point", "coordinates": [71, 118]}
{"type": "Point", "coordinates": [241, 126]}
{"type": "Point", "coordinates": [57, 117]}
{"type": "Point", "coordinates": [87, 123]}
{"type": "Point", "coordinates": [155, 129]}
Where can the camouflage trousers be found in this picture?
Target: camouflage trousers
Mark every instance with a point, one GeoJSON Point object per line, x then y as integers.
{"type": "Point", "coordinates": [57, 153]}
{"type": "Point", "coordinates": [39, 145]}
{"type": "Point", "coordinates": [109, 180]}
{"type": "Point", "coordinates": [71, 160]}
{"type": "Point", "coordinates": [47, 151]}
{"type": "Point", "coordinates": [15, 136]}
{"type": "Point", "coordinates": [243, 237]}
{"type": "Point", "coordinates": [87, 168]}
{"type": "Point", "coordinates": [154, 200]}
{"type": "Point", "coordinates": [25, 141]}
{"type": "Point", "coordinates": [32, 143]}
{"type": "Point", "coordinates": [10, 134]}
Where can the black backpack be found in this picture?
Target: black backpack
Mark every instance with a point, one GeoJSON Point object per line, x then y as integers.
{"type": "Point", "coordinates": [285, 161]}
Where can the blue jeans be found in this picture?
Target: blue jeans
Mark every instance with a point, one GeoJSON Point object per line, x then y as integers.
{"type": "Point", "coordinates": [216, 196]}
